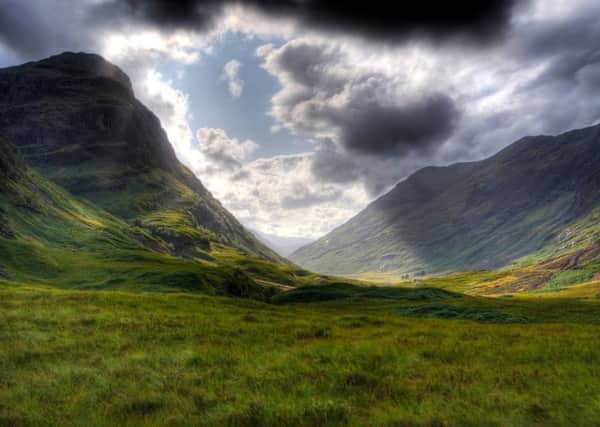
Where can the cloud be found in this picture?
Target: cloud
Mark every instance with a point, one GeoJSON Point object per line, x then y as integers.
{"type": "Point", "coordinates": [34, 29]}
{"type": "Point", "coordinates": [363, 110]}
{"type": "Point", "coordinates": [378, 19]}
{"type": "Point", "coordinates": [231, 74]}
{"type": "Point", "coordinates": [568, 46]}
{"type": "Point", "coordinates": [169, 14]}
{"type": "Point", "coordinates": [172, 107]}
{"type": "Point", "coordinates": [302, 196]}
{"type": "Point", "coordinates": [332, 166]}
{"type": "Point", "coordinates": [372, 128]}
{"type": "Point", "coordinates": [225, 152]}
{"type": "Point", "coordinates": [377, 99]}
{"type": "Point", "coordinates": [281, 195]}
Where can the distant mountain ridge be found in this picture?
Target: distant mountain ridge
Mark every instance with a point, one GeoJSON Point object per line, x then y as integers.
{"type": "Point", "coordinates": [469, 216]}
{"type": "Point", "coordinates": [283, 245]}
{"type": "Point", "coordinates": [74, 118]}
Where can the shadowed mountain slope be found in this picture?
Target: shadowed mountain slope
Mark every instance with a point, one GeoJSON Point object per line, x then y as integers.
{"type": "Point", "coordinates": [532, 195]}
{"type": "Point", "coordinates": [74, 118]}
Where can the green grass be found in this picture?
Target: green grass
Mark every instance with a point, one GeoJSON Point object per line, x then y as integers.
{"type": "Point", "coordinates": [568, 278]}
{"type": "Point", "coordinates": [448, 311]}
{"type": "Point", "coordinates": [80, 344]}
{"type": "Point", "coordinates": [580, 234]}
{"type": "Point", "coordinates": [115, 358]}
{"type": "Point", "coordinates": [344, 291]}
{"type": "Point", "coordinates": [50, 237]}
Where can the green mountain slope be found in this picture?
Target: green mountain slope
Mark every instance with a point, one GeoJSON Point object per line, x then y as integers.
{"type": "Point", "coordinates": [74, 117]}
{"type": "Point", "coordinates": [50, 237]}
{"type": "Point", "coordinates": [537, 195]}
{"type": "Point", "coordinates": [47, 236]}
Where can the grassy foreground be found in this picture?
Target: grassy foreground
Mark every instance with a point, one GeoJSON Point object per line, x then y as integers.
{"type": "Point", "coordinates": [117, 358]}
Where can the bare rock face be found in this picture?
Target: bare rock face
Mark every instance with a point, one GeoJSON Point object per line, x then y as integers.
{"type": "Point", "coordinates": [75, 107]}
{"type": "Point", "coordinates": [75, 118]}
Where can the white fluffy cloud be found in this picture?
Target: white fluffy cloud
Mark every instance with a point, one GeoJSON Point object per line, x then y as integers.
{"type": "Point", "coordinates": [282, 196]}
{"type": "Point", "coordinates": [231, 74]}
{"type": "Point", "coordinates": [222, 151]}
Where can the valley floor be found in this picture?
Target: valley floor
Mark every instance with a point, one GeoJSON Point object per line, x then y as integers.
{"type": "Point", "coordinates": [119, 358]}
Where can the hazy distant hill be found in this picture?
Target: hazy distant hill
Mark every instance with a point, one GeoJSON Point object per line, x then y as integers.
{"type": "Point", "coordinates": [282, 245]}
{"type": "Point", "coordinates": [536, 194]}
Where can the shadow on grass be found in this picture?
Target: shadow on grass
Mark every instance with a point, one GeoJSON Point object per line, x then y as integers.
{"type": "Point", "coordinates": [339, 291]}
{"type": "Point", "coordinates": [447, 311]}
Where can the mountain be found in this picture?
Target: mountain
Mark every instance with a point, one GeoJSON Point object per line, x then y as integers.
{"type": "Point", "coordinates": [282, 245]}
{"type": "Point", "coordinates": [50, 237]}
{"type": "Point", "coordinates": [75, 119]}
{"type": "Point", "coordinates": [93, 197]}
{"type": "Point", "coordinates": [539, 195]}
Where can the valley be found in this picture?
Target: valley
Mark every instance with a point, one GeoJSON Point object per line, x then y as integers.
{"type": "Point", "coordinates": [129, 295]}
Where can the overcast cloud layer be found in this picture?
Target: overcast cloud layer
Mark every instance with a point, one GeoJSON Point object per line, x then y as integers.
{"type": "Point", "coordinates": [377, 92]}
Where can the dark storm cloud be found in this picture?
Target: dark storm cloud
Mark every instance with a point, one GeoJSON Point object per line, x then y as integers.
{"type": "Point", "coordinates": [566, 93]}
{"type": "Point", "coordinates": [169, 14]}
{"type": "Point", "coordinates": [569, 46]}
{"type": "Point", "coordinates": [14, 25]}
{"type": "Point", "coordinates": [390, 20]}
{"type": "Point", "coordinates": [332, 166]}
{"type": "Point", "coordinates": [341, 168]}
{"type": "Point", "coordinates": [381, 19]}
{"type": "Point", "coordinates": [37, 28]}
{"type": "Point", "coordinates": [372, 128]}
{"type": "Point", "coordinates": [362, 107]}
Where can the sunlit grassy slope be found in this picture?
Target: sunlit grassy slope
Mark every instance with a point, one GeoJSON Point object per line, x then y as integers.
{"type": "Point", "coordinates": [572, 274]}
{"type": "Point", "coordinates": [300, 349]}
{"type": "Point", "coordinates": [48, 236]}
{"type": "Point", "coordinates": [113, 358]}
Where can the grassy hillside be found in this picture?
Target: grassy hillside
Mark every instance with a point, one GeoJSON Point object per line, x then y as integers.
{"type": "Point", "coordinates": [575, 274]}
{"type": "Point", "coordinates": [74, 117]}
{"type": "Point", "coordinates": [50, 237]}
{"type": "Point", "coordinates": [538, 194]}
{"type": "Point", "coordinates": [109, 208]}
{"type": "Point", "coordinates": [106, 358]}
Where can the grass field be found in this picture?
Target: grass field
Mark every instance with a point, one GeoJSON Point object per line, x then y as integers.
{"type": "Point", "coordinates": [111, 322]}
{"type": "Point", "coordinates": [391, 358]}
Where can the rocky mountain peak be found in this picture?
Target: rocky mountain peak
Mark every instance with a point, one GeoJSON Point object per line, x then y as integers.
{"type": "Point", "coordinates": [85, 64]}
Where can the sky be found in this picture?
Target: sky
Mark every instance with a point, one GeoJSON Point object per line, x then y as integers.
{"type": "Point", "coordinates": [297, 114]}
